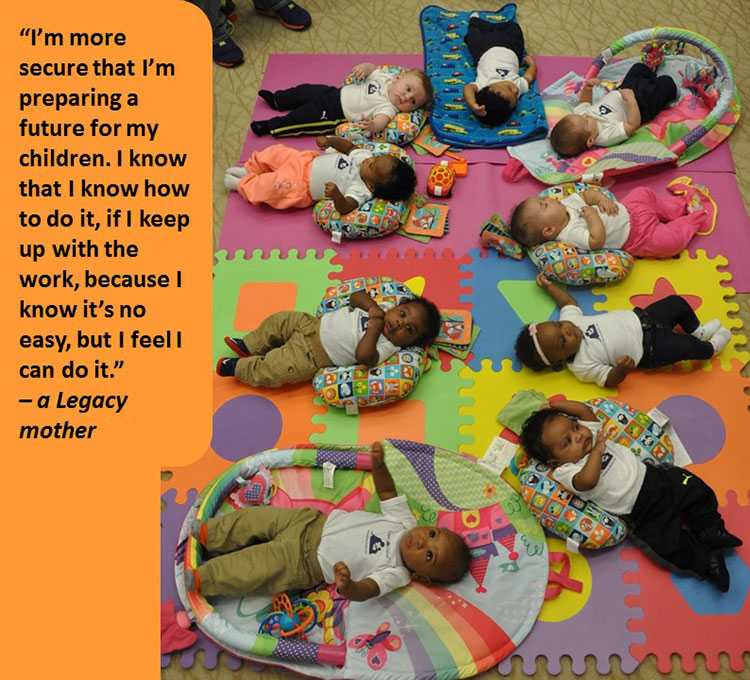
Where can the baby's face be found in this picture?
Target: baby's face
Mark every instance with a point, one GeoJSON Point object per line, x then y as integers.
{"type": "Point", "coordinates": [507, 90]}
{"type": "Point", "coordinates": [427, 552]}
{"type": "Point", "coordinates": [376, 170]}
{"type": "Point", "coordinates": [406, 92]}
{"type": "Point", "coordinates": [559, 340]}
{"type": "Point", "coordinates": [405, 324]}
{"type": "Point", "coordinates": [544, 218]}
{"type": "Point", "coordinates": [566, 439]}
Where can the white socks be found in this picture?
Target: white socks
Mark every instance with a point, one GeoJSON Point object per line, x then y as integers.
{"type": "Point", "coordinates": [232, 177]}
{"type": "Point", "coordinates": [720, 339]}
{"type": "Point", "coordinates": [707, 330]}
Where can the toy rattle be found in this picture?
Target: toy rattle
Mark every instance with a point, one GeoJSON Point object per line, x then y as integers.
{"type": "Point", "coordinates": [440, 180]}
{"type": "Point", "coordinates": [289, 618]}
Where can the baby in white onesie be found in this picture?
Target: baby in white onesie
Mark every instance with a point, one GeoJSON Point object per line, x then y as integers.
{"type": "Point", "coordinates": [617, 115]}
{"type": "Point", "coordinates": [283, 177]}
{"type": "Point", "coordinates": [498, 51]}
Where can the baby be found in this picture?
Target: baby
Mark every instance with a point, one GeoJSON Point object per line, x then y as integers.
{"type": "Point", "coordinates": [282, 177]}
{"type": "Point", "coordinates": [604, 348]}
{"type": "Point", "coordinates": [642, 224]}
{"type": "Point", "coordinates": [669, 509]}
{"type": "Point", "coordinates": [616, 116]}
{"type": "Point", "coordinates": [370, 102]}
{"type": "Point", "coordinates": [273, 550]}
{"type": "Point", "coordinates": [497, 49]}
{"type": "Point", "coordinates": [291, 347]}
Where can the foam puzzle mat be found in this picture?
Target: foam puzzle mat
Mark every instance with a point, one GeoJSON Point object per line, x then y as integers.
{"type": "Point", "coordinates": [628, 607]}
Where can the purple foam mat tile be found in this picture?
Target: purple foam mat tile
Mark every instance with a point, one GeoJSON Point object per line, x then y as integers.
{"type": "Point", "coordinates": [475, 197]}
{"type": "Point", "coordinates": [285, 70]}
{"type": "Point", "coordinates": [172, 517]}
{"type": "Point", "coordinates": [599, 629]}
{"type": "Point", "coordinates": [731, 237]}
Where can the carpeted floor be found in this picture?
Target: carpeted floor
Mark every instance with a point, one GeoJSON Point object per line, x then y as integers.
{"type": "Point", "coordinates": [564, 27]}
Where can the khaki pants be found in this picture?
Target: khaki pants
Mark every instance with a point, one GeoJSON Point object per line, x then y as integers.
{"type": "Point", "coordinates": [286, 349]}
{"type": "Point", "coordinates": [268, 550]}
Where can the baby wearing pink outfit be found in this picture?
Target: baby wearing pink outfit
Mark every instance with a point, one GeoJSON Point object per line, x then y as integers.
{"type": "Point", "coordinates": [642, 224]}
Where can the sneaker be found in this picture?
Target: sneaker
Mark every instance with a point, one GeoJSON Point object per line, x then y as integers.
{"type": "Point", "coordinates": [227, 54]}
{"type": "Point", "coordinates": [260, 128]}
{"type": "Point", "coordinates": [237, 345]}
{"type": "Point", "coordinates": [269, 98]}
{"type": "Point", "coordinates": [719, 537]}
{"type": "Point", "coordinates": [717, 571]}
{"type": "Point", "coordinates": [290, 14]}
{"type": "Point", "coordinates": [225, 367]}
{"type": "Point", "coordinates": [233, 176]}
{"type": "Point", "coordinates": [707, 330]}
{"type": "Point", "coordinates": [720, 339]}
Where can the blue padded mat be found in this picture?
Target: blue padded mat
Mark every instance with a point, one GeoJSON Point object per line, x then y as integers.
{"type": "Point", "coordinates": [449, 66]}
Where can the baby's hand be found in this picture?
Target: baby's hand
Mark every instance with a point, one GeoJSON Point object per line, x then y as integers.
{"type": "Point", "coordinates": [377, 454]}
{"type": "Point", "coordinates": [342, 577]}
{"type": "Point", "coordinates": [331, 190]}
{"type": "Point", "coordinates": [361, 71]}
{"type": "Point", "coordinates": [591, 82]}
{"type": "Point", "coordinates": [322, 141]}
{"type": "Point", "coordinates": [366, 124]}
{"type": "Point", "coordinates": [376, 312]}
{"type": "Point", "coordinates": [478, 109]}
{"type": "Point", "coordinates": [601, 440]}
{"type": "Point", "coordinates": [607, 205]}
{"type": "Point", "coordinates": [625, 364]}
{"type": "Point", "coordinates": [529, 60]}
{"type": "Point", "coordinates": [542, 281]}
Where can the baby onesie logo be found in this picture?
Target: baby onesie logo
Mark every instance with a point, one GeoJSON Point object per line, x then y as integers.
{"type": "Point", "coordinates": [592, 332]}
{"type": "Point", "coordinates": [373, 88]}
{"type": "Point", "coordinates": [502, 72]}
{"type": "Point", "coordinates": [342, 164]}
{"type": "Point", "coordinates": [606, 459]}
{"type": "Point", "coordinates": [375, 544]}
{"type": "Point", "coordinates": [604, 110]}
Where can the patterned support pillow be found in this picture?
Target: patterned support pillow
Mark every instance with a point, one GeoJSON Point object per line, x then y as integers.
{"type": "Point", "coordinates": [583, 523]}
{"type": "Point", "coordinates": [565, 263]}
{"type": "Point", "coordinates": [354, 387]}
{"type": "Point", "coordinates": [375, 218]}
{"type": "Point", "coordinates": [402, 129]}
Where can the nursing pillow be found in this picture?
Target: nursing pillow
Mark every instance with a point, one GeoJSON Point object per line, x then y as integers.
{"type": "Point", "coordinates": [444, 631]}
{"type": "Point", "coordinates": [374, 218]}
{"type": "Point", "coordinates": [564, 262]}
{"type": "Point", "coordinates": [401, 130]}
{"type": "Point", "coordinates": [583, 524]}
{"type": "Point", "coordinates": [354, 387]}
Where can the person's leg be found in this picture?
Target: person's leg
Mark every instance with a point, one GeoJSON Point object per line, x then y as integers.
{"type": "Point", "coordinates": [283, 563]}
{"type": "Point", "coordinates": [317, 116]}
{"type": "Point", "coordinates": [225, 51]}
{"type": "Point", "coordinates": [651, 92]}
{"type": "Point", "coordinates": [659, 227]}
{"type": "Point", "coordinates": [293, 97]}
{"type": "Point", "coordinates": [671, 311]}
{"type": "Point", "coordinates": [289, 13]}
{"type": "Point", "coordinates": [280, 180]}
{"type": "Point", "coordinates": [290, 364]}
{"type": "Point", "coordinates": [483, 35]}
{"type": "Point", "coordinates": [275, 330]}
{"type": "Point", "coordinates": [668, 347]}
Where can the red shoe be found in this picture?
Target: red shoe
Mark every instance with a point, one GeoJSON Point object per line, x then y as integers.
{"type": "Point", "coordinates": [237, 346]}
